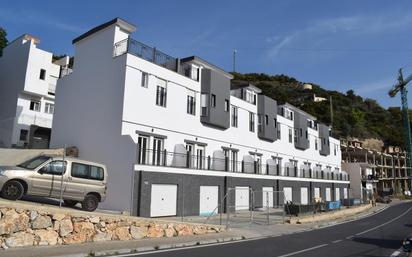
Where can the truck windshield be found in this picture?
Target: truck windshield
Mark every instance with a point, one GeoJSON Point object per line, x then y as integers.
{"type": "Point", "coordinates": [34, 163]}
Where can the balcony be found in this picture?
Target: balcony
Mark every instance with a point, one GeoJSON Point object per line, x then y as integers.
{"type": "Point", "coordinates": [146, 52]}
{"type": "Point", "coordinates": [187, 160]}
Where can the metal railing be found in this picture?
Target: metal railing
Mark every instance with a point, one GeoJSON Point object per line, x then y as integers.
{"type": "Point", "coordinates": [145, 52]}
{"type": "Point", "coordinates": [202, 162]}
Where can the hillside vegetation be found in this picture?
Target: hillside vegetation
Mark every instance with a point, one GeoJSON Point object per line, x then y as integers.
{"type": "Point", "coordinates": [353, 116]}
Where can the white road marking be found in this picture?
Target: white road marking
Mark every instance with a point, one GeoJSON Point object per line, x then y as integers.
{"type": "Point", "coordinates": [350, 237]}
{"type": "Point", "coordinates": [304, 250]}
{"type": "Point", "coordinates": [383, 224]}
{"type": "Point", "coordinates": [396, 253]}
{"type": "Point", "coordinates": [337, 241]}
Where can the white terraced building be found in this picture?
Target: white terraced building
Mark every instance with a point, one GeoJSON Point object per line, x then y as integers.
{"type": "Point", "coordinates": [177, 130]}
{"type": "Point", "coordinates": [28, 78]}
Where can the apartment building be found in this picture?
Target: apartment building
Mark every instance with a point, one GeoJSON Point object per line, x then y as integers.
{"type": "Point", "coordinates": [27, 85]}
{"type": "Point", "coordinates": [386, 171]}
{"type": "Point", "coordinates": [176, 134]}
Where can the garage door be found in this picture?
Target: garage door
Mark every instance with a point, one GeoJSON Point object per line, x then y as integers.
{"type": "Point", "coordinates": [337, 194]}
{"type": "Point", "coordinates": [242, 198]}
{"type": "Point", "coordinates": [317, 192]}
{"type": "Point", "coordinates": [288, 194]}
{"type": "Point", "coordinates": [209, 200]}
{"type": "Point", "coordinates": [304, 198]}
{"type": "Point", "coordinates": [163, 200]}
{"type": "Point", "coordinates": [345, 193]}
{"type": "Point", "coordinates": [328, 194]}
{"type": "Point", "coordinates": [267, 199]}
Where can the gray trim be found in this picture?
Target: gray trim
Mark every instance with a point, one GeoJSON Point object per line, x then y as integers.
{"type": "Point", "coordinates": [255, 153]}
{"type": "Point", "coordinates": [201, 61]}
{"type": "Point", "coordinates": [128, 27]}
{"type": "Point", "coordinates": [230, 148]}
{"type": "Point", "coordinates": [143, 133]}
{"type": "Point", "coordinates": [194, 142]}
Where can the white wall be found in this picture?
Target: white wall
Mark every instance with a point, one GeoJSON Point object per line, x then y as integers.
{"type": "Point", "coordinates": [19, 82]}
{"type": "Point", "coordinates": [142, 114]}
{"type": "Point", "coordinates": [89, 110]}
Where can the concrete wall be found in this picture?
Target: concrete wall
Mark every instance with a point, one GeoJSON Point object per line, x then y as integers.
{"type": "Point", "coordinates": [89, 110]}
{"type": "Point", "coordinates": [325, 141]}
{"type": "Point", "coordinates": [11, 157]}
{"type": "Point", "coordinates": [301, 127]}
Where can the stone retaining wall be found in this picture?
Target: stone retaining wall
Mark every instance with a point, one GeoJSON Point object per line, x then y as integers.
{"type": "Point", "coordinates": [22, 227]}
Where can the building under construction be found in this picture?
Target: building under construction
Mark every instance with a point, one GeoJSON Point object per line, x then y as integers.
{"type": "Point", "coordinates": [389, 170]}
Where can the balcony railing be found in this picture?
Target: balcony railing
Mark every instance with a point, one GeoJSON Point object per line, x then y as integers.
{"type": "Point", "coordinates": [200, 162]}
{"type": "Point", "coordinates": [145, 52]}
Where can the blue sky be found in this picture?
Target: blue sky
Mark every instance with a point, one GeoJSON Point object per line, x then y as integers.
{"type": "Point", "coordinates": [340, 45]}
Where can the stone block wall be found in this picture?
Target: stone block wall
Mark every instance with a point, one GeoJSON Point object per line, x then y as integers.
{"type": "Point", "coordinates": [23, 227]}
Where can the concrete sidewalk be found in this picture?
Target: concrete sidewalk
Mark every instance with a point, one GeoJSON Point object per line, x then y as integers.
{"type": "Point", "coordinates": [250, 231]}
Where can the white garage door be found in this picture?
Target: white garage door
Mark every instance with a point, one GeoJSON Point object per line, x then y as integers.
{"type": "Point", "coordinates": [288, 194]}
{"type": "Point", "coordinates": [345, 193]}
{"type": "Point", "coordinates": [317, 192]}
{"type": "Point", "coordinates": [267, 199]}
{"type": "Point", "coordinates": [304, 198]}
{"type": "Point", "coordinates": [242, 198]}
{"type": "Point", "coordinates": [163, 200]}
{"type": "Point", "coordinates": [337, 194]}
{"type": "Point", "coordinates": [328, 194]}
{"type": "Point", "coordinates": [209, 198]}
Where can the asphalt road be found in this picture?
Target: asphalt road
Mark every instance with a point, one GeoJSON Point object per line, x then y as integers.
{"type": "Point", "coordinates": [377, 235]}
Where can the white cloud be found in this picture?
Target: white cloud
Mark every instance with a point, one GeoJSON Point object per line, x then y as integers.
{"type": "Point", "coordinates": [34, 17]}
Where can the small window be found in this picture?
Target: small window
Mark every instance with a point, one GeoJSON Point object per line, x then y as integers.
{"type": "Point", "coordinates": [290, 135]}
{"type": "Point", "coordinates": [23, 134]}
{"type": "Point", "coordinates": [213, 100]}
{"type": "Point", "coordinates": [35, 106]}
{"type": "Point", "coordinates": [275, 123]}
{"type": "Point", "coordinates": [191, 105]}
{"type": "Point", "coordinates": [296, 136]}
{"type": "Point", "coordinates": [278, 133]}
{"type": "Point", "coordinates": [42, 74]}
{"type": "Point", "coordinates": [54, 168]}
{"type": "Point", "coordinates": [251, 122]}
{"type": "Point", "coordinates": [266, 120]}
{"type": "Point", "coordinates": [227, 105]}
{"type": "Point", "coordinates": [145, 80]}
{"type": "Point", "coordinates": [316, 144]}
{"type": "Point", "coordinates": [234, 116]}
{"type": "Point", "coordinates": [49, 108]}
{"type": "Point", "coordinates": [96, 173]}
{"type": "Point", "coordinates": [161, 96]}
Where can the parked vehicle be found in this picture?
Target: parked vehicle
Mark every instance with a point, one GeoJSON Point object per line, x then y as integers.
{"type": "Point", "coordinates": [83, 181]}
{"type": "Point", "coordinates": [407, 244]}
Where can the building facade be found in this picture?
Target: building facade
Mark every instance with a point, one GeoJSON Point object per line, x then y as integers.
{"type": "Point", "coordinates": [388, 171]}
{"type": "Point", "coordinates": [27, 85]}
{"type": "Point", "coordinates": [177, 134]}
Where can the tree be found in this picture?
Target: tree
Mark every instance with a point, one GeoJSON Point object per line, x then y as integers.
{"type": "Point", "coordinates": [3, 40]}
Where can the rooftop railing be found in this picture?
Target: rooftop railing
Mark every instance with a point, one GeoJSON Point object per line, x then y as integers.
{"type": "Point", "coordinates": [145, 52]}
{"type": "Point", "coordinates": [201, 162]}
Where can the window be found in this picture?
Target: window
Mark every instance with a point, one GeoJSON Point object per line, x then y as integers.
{"type": "Point", "coordinates": [296, 136]}
{"type": "Point", "coordinates": [42, 74]}
{"type": "Point", "coordinates": [266, 120]}
{"type": "Point", "coordinates": [306, 134]}
{"type": "Point", "coordinates": [250, 96]}
{"type": "Point", "coordinates": [35, 106]}
{"type": "Point", "coordinates": [278, 133]}
{"type": "Point", "coordinates": [213, 100]}
{"type": "Point", "coordinates": [290, 135]}
{"type": "Point", "coordinates": [85, 171]}
{"type": "Point", "coordinates": [157, 158]}
{"type": "Point", "coordinates": [334, 149]}
{"type": "Point", "coordinates": [161, 96]}
{"type": "Point", "coordinates": [251, 122]}
{"type": "Point", "coordinates": [54, 168]}
{"type": "Point", "coordinates": [204, 99]}
{"type": "Point", "coordinates": [145, 80]}
{"type": "Point", "coordinates": [227, 105]}
{"type": "Point", "coordinates": [23, 134]}
{"type": "Point", "coordinates": [316, 144]}
{"type": "Point", "coordinates": [234, 116]}
{"type": "Point", "coordinates": [301, 132]}
{"type": "Point", "coordinates": [142, 149]}
{"type": "Point", "coordinates": [49, 108]}
{"type": "Point", "coordinates": [191, 105]}
{"type": "Point", "coordinates": [275, 123]}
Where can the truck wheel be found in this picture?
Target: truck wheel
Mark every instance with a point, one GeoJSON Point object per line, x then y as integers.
{"type": "Point", "coordinates": [90, 203]}
{"type": "Point", "coordinates": [70, 203]}
{"type": "Point", "coordinates": [12, 190]}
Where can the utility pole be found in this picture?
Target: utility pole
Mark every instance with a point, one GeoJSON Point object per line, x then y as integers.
{"type": "Point", "coordinates": [331, 111]}
{"type": "Point", "coordinates": [234, 60]}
